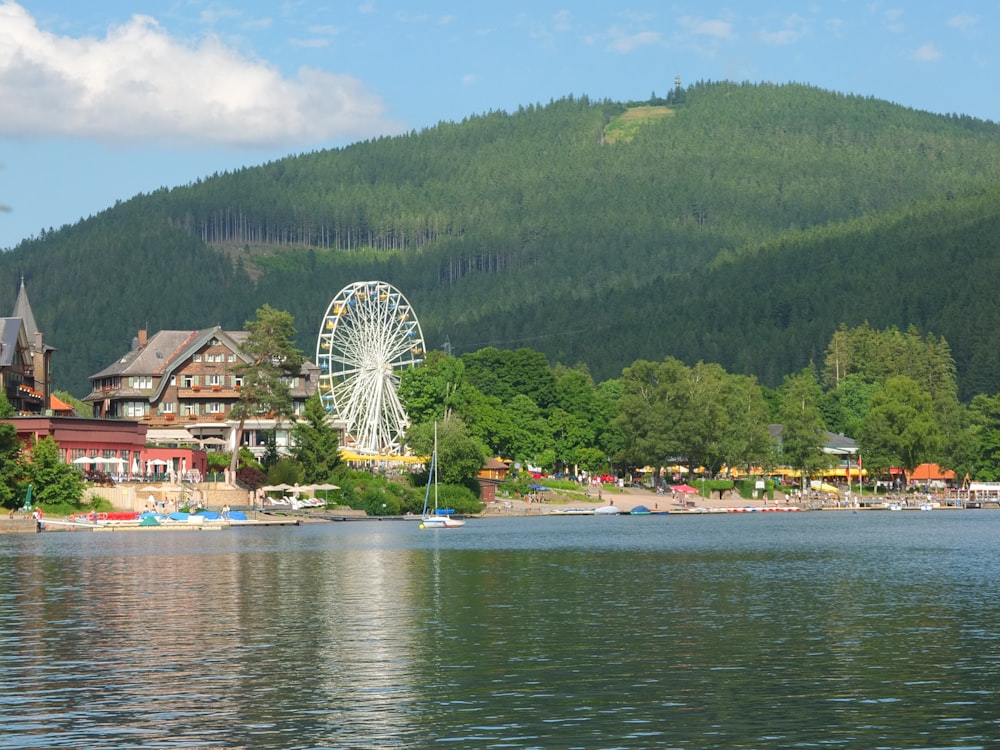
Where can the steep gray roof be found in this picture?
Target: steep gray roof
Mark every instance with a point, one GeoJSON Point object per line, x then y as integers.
{"type": "Point", "coordinates": [164, 349]}
{"type": "Point", "coordinates": [22, 310]}
{"type": "Point", "coordinates": [152, 359]}
{"type": "Point", "coordinates": [10, 329]}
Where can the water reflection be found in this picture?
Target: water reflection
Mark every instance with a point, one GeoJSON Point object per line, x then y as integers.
{"type": "Point", "coordinates": [872, 630]}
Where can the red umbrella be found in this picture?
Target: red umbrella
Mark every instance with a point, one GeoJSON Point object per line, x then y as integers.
{"type": "Point", "coordinates": [683, 488]}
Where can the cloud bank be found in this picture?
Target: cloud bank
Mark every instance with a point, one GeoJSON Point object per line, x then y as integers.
{"type": "Point", "coordinates": [140, 85]}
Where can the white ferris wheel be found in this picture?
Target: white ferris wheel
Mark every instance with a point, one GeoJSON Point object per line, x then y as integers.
{"type": "Point", "coordinates": [368, 336]}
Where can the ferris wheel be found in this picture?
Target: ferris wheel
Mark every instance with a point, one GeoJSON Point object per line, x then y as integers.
{"type": "Point", "coordinates": [368, 336]}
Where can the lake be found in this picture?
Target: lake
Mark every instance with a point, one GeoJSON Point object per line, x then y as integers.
{"type": "Point", "coordinates": [824, 629]}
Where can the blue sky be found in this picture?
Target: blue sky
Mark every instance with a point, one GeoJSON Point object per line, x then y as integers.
{"type": "Point", "coordinates": [102, 100]}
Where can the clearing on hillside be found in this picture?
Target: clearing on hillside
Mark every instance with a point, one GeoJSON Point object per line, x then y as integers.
{"type": "Point", "coordinates": [626, 125]}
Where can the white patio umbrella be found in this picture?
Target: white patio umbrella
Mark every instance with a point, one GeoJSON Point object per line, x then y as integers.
{"type": "Point", "coordinates": [86, 460]}
{"type": "Point", "coordinates": [324, 488]}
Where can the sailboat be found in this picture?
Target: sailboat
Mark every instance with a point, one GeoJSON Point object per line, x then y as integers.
{"type": "Point", "coordinates": [431, 519]}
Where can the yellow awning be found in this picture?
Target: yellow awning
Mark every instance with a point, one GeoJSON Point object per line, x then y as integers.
{"type": "Point", "coordinates": [347, 455]}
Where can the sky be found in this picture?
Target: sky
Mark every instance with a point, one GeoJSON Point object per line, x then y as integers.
{"type": "Point", "coordinates": [101, 100]}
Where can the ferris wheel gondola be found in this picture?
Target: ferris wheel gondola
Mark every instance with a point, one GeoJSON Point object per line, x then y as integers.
{"type": "Point", "coordinates": [368, 336]}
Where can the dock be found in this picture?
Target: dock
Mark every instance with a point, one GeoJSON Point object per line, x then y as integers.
{"type": "Point", "coordinates": [64, 525]}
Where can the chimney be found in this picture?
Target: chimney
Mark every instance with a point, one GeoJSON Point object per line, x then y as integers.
{"type": "Point", "coordinates": [142, 337]}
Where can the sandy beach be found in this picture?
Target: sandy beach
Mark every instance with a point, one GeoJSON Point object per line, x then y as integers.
{"type": "Point", "coordinates": [626, 499]}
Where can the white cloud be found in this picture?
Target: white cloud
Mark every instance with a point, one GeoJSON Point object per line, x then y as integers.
{"type": "Point", "coordinates": [326, 29]}
{"type": "Point", "coordinates": [712, 27]}
{"type": "Point", "coordinates": [794, 27]}
{"type": "Point", "coordinates": [311, 43]}
{"type": "Point", "coordinates": [927, 53]}
{"type": "Point", "coordinates": [963, 22]}
{"type": "Point", "coordinates": [561, 20]}
{"type": "Point", "coordinates": [779, 38]}
{"type": "Point", "coordinates": [624, 43]}
{"type": "Point", "coordinates": [894, 20]}
{"type": "Point", "coordinates": [139, 84]}
{"type": "Point", "coordinates": [835, 26]}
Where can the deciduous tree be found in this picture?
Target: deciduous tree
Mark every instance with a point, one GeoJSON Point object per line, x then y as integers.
{"type": "Point", "coordinates": [53, 481]}
{"type": "Point", "coordinates": [900, 428]}
{"type": "Point", "coordinates": [802, 432]}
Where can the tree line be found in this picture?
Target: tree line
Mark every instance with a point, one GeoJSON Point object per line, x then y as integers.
{"type": "Point", "coordinates": [894, 391]}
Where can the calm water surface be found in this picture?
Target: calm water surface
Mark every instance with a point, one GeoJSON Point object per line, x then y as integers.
{"type": "Point", "coordinates": [870, 630]}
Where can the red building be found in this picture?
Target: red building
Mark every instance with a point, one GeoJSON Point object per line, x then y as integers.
{"type": "Point", "coordinates": [119, 444]}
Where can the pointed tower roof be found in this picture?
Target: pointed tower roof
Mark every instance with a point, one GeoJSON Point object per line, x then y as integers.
{"type": "Point", "coordinates": [22, 310]}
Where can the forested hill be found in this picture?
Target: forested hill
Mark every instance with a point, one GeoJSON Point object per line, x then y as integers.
{"type": "Point", "coordinates": [732, 223]}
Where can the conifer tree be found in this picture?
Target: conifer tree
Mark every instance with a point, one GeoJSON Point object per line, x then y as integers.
{"type": "Point", "coordinates": [317, 444]}
{"type": "Point", "coordinates": [273, 360]}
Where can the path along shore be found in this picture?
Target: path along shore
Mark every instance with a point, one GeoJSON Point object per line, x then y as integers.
{"type": "Point", "coordinates": [626, 499]}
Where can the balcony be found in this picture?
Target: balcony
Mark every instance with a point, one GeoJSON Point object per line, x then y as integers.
{"type": "Point", "coordinates": [208, 392]}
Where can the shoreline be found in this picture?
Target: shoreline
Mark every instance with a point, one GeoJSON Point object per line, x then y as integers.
{"type": "Point", "coordinates": [558, 503]}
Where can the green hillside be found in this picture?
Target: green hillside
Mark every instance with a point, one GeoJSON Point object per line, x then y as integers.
{"type": "Point", "coordinates": [731, 223]}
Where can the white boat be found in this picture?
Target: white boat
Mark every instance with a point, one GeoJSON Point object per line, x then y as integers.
{"type": "Point", "coordinates": [433, 519]}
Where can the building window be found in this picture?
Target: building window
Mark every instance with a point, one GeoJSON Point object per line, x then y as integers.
{"type": "Point", "coordinates": [197, 357]}
{"type": "Point", "coordinates": [215, 407]}
{"type": "Point", "coordinates": [187, 381]}
{"type": "Point", "coordinates": [135, 408]}
{"type": "Point", "coordinates": [168, 407]}
{"type": "Point", "coordinates": [173, 380]}
{"type": "Point", "coordinates": [230, 357]}
{"type": "Point", "coordinates": [141, 382]}
{"type": "Point", "coordinates": [215, 380]}
{"type": "Point", "coordinates": [237, 381]}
